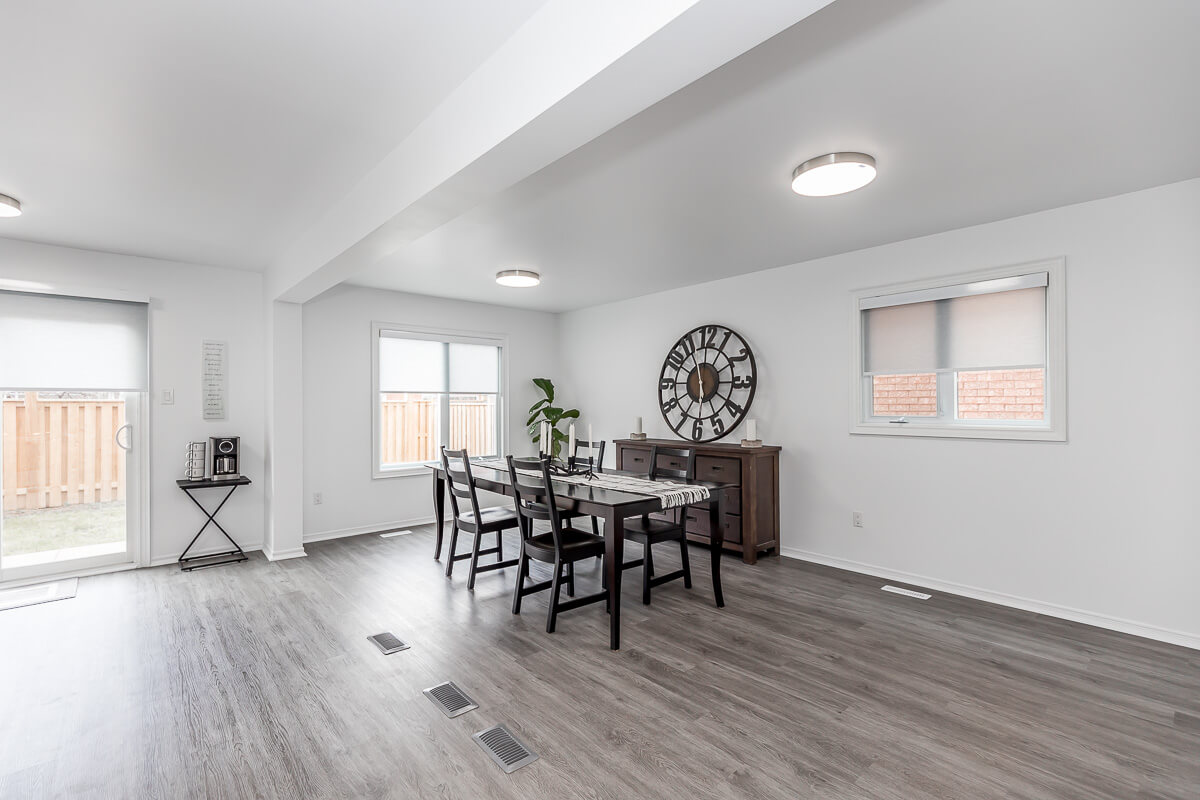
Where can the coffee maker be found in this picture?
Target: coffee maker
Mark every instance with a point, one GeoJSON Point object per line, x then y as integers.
{"type": "Point", "coordinates": [223, 457]}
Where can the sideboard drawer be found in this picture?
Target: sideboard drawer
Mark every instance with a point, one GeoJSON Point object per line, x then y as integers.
{"type": "Point", "coordinates": [671, 462]}
{"type": "Point", "coordinates": [634, 459]}
{"type": "Point", "coordinates": [722, 470]}
{"type": "Point", "coordinates": [697, 523]}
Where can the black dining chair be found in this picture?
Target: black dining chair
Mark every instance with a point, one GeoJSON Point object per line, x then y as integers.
{"type": "Point", "coordinates": [594, 449]}
{"type": "Point", "coordinates": [473, 519]}
{"type": "Point", "coordinates": [649, 531]}
{"type": "Point", "coordinates": [533, 498]}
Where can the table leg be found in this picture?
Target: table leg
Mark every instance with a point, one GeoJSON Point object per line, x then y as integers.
{"type": "Point", "coordinates": [439, 511]}
{"type": "Point", "coordinates": [716, 526]}
{"type": "Point", "coordinates": [614, 555]}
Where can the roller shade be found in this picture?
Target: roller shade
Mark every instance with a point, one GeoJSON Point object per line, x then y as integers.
{"type": "Point", "coordinates": [411, 365]}
{"type": "Point", "coordinates": [429, 366]}
{"type": "Point", "coordinates": [71, 343]}
{"type": "Point", "coordinates": [969, 327]}
{"type": "Point", "coordinates": [474, 369]}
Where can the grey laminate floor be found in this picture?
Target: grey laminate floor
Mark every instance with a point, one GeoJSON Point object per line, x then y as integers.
{"type": "Point", "coordinates": [256, 680]}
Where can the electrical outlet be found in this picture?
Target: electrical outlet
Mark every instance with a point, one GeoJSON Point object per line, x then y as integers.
{"type": "Point", "coordinates": [317, 499]}
{"type": "Point", "coordinates": [168, 397]}
{"type": "Point", "coordinates": [856, 518]}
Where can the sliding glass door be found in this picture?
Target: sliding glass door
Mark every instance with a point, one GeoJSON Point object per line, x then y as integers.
{"type": "Point", "coordinates": [65, 467]}
{"type": "Point", "coordinates": [71, 391]}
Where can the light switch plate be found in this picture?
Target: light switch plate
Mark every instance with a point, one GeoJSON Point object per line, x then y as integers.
{"type": "Point", "coordinates": [168, 397]}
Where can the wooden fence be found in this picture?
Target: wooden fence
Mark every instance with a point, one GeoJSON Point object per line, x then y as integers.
{"type": "Point", "coordinates": [61, 452]}
{"type": "Point", "coordinates": [408, 428]}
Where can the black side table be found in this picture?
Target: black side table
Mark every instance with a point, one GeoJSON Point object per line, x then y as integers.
{"type": "Point", "coordinates": [233, 556]}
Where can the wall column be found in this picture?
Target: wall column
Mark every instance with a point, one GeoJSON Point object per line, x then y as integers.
{"type": "Point", "coordinates": [284, 433]}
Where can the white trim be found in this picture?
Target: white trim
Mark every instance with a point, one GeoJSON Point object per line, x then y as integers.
{"type": "Point", "coordinates": [382, 527]}
{"type": "Point", "coordinates": [282, 555]}
{"type": "Point", "coordinates": [1189, 640]}
{"type": "Point", "coordinates": [1056, 361]}
{"type": "Point", "coordinates": [440, 335]}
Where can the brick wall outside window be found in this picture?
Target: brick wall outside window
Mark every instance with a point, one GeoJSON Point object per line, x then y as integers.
{"type": "Point", "coordinates": [905, 395]}
{"type": "Point", "coordinates": [1002, 394]}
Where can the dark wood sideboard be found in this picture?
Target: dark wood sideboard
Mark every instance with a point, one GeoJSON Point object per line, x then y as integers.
{"type": "Point", "coordinates": [751, 512]}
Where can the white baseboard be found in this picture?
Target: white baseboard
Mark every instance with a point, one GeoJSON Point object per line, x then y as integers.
{"type": "Point", "coordinates": [341, 533]}
{"type": "Point", "coordinates": [295, 552]}
{"type": "Point", "coordinates": [999, 598]}
{"type": "Point", "coordinates": [164, 560]}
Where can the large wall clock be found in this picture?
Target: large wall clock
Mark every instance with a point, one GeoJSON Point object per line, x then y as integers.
{"type": "Point", "coordinates": [707, 383]}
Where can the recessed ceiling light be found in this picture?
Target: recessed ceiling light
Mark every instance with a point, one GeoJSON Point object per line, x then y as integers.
{"type": "Point", "coordinates": [519, 278]}
{"type": "Point", "coordinates": [9, 206]}
{"type": "Point", "coordinates": [833, 173]}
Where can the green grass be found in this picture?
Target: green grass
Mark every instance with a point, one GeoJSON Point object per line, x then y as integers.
{"type": "Point", "coordinates": [40, 530]}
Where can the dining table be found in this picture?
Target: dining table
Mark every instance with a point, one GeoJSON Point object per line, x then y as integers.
{"type": "Point", "coordinates": [611, 506]}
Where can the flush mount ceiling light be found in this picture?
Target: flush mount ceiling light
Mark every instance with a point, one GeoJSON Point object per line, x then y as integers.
{"type": "Point", "coordinates": [9, 206]}
{"type": "Point", "coordinates": [833, 173]}
{"type": "Point", "coordinates": [519, 278]}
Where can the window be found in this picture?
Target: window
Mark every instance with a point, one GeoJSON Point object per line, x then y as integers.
{"type": "Point", "coordinates": [434, 389]}
{"type": "Point", "coordinates": [977, 355]}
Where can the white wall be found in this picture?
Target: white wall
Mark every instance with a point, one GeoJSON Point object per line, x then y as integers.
{"type": "Point", "coordinates": [189, 303]}
{"type": "Point", "coordinates": [1103, 528]}
{"type": "Point", "coordinates": [338, 399]}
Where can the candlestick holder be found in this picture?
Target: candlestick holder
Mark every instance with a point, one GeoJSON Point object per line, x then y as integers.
{"type": "Point", "coordinates": [751, 442]}
{"type": "Point", "coordinates": [574, 466]}
{"type": "Point", "coordinates": [638, 437]}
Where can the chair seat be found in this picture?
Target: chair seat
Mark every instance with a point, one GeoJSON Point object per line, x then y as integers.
{"type": "Point", "coordinates": [493, 519]}
{"type": "Point", "coordinates": [653, 531]}
{"type": "Point", "coordinates": [577, 545]}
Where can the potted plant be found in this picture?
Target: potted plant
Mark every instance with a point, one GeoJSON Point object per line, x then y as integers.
{"type": "Point", "coordinates": [545, 409]}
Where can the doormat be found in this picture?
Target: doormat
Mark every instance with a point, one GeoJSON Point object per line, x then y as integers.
{"type": "Point", "coordinates": [38, 593]}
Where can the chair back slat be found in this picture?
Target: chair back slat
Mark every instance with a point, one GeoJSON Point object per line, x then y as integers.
{"type": "Point", "coordinates": [533, 496]}
{"type": "Point", "coordinates": [594, 449]}
{"type": "Point", "coordinates": [457, 465]}
{"type": "Point", "coordinates": [689, 456]}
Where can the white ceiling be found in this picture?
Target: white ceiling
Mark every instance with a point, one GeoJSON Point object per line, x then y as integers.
{"type": "Point", "coordinates": [215, 131]}
{"type": "Point", "coordinates": [975, 111]}
{"type": "Point", "coordinates": [224, 132]}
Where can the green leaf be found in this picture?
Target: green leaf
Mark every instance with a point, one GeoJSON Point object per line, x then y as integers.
{"type": "Point", "coordinates": [533, 418]}
{"type": "Point", "coordinates": [572, 414]}
{"type": "Point", "coordinates": [553, 414]}
{"type": "Point", "coordinates": [547, 387]}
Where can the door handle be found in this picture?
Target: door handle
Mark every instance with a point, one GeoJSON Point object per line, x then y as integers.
{"type": "Point", "coordinates": [128, 426]}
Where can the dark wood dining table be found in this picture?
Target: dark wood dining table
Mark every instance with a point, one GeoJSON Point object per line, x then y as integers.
{"type": "Point", "coordinates": [613, 507]}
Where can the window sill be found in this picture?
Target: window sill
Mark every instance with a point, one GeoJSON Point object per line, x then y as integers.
{"type": "Point", "coordinates": [1015, 432]}
{"type": "Point", "coordinates": [402, 472]}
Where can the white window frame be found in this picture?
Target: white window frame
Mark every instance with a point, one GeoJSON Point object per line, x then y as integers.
{"type": "Point", "coordinates": [433, 335]}
{"type": "Point", "coordinates": [1053, 428]}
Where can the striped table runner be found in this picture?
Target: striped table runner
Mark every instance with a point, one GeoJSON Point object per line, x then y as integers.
{"type": "Point", "coordinates": [670, 494]}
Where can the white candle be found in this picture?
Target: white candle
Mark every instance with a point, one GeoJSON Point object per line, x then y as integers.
{"type": "Point", "coordinates": [637, 425]}
{"type": "Point", "coordinates": [591, 441]}
{"type": "Point", "coordinates": [752, 429]}
{"type": "Point", "coordinates": [542, 443]}
{"type": "Point", "coordinates": [571, 441]}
